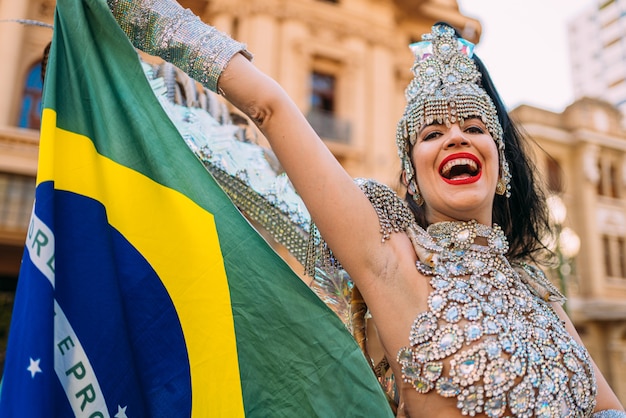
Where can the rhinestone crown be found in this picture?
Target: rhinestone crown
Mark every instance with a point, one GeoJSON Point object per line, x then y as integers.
{"type": "Point", "coordinates": [446, 89]}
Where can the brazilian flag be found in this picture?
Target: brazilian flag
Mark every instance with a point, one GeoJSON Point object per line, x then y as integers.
{"type": "Point", "coordinates": [143, 291]}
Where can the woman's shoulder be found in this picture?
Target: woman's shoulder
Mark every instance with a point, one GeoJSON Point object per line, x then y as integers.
{"type": "Point", "coordinates": [393, 212]}
{"type": "Point", "coordinates": [535, 278]}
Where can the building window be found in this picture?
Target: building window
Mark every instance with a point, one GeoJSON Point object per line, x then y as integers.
{"type": "Point", "coordinates": [555, 176]}
{"type": "Point", "coordinates": [324, 103]}
{"type": "Point", "coordinates": [609, 183]}
{"type": "Point", "coordinates": [323, 89]}
{"type": "Point", "coordinates": [615, 183]}
{"type": "Point", "coordinates": [600, 182]}
{"type": "Point", "coordinates": [30, 115]}
{"type": "Point", "coordinates": [606, 248]}
{"type": "Point", "coordinates": [621, 254]}
{"type": "Point", "coordinates": [614, 248]}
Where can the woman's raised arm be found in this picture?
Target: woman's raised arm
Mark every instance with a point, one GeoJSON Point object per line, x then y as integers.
{"type": "Point", "coordinates": [340, 210]}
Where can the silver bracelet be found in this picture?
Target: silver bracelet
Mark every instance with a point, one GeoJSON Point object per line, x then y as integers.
{"type": "Point", "coordinates": [164, 29]}
{"type": "Point", "coordinates": [609, 413]}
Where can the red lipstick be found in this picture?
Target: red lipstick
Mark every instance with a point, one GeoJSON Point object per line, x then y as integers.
{"type": "Point", "coordinates": [465, 159]}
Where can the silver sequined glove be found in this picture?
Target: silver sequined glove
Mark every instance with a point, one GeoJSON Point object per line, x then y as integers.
{"type": "Point", "coordinates": [609, 413]}
{"type": "Point", "coordinates": [164, 29]}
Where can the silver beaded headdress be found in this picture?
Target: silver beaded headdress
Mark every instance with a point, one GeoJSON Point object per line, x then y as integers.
{"type": "Point", "coordinates": [446, 89]}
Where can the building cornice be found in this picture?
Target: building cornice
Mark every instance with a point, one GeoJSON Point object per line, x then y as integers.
{"type": "Point", "coordinates": [18, 151]}
{"type": "Point", "coordinates": [373, 28]}
{"type": "Point", "coordinates": [575, 137]}
{"type": "Point", "coordinates": [597, 138]}
{"type": "Point", "coordinates": [13, 237]}
{"type": "Point", "coordinates": [538, 130]}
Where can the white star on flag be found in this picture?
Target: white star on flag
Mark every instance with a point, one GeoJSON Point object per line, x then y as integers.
{"type": "Point", "coordinates": [121, 412]}
{"type": "Point", "coordinates": [33, 368]}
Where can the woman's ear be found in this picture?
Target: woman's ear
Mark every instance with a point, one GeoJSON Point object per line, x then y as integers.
{"type": "Point", "coordinates": [411, 186]}
{"type": "Point", "coordinates": [405, 181]}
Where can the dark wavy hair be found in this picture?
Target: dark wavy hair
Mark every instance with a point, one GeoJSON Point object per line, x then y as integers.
{"type": "Point", "coordinates": [524, 216]}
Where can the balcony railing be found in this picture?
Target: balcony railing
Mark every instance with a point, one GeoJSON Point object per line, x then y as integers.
{"type": "Point", "coordinates": [17, 194]}
{"type": "Point", "coordinates": [329, 127]}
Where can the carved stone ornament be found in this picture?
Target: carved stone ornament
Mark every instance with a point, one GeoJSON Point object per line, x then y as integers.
{"type": "Point", "coordinates": [590, 164]}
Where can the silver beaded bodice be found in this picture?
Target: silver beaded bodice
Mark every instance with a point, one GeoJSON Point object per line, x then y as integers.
{"type": "Point", "coordinates": [489, 338]}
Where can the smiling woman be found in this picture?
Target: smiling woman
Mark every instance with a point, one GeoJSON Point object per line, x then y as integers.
{"type": "Point", "coordinates": [469, 325]}
{"type": "Point", "coordinates": [457, 171]}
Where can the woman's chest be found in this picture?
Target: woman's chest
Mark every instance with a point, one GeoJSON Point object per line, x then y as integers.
{"type": "Point", "coordinates": [487, 341]}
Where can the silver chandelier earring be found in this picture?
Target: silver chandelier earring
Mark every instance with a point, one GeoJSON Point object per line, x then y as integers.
{"type": "Point", "coordinates": [501, 187]}
{"type": "Point", "coordinates": [414, 191]}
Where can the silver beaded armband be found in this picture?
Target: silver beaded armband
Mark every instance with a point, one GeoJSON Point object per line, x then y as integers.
{"type": "Point", "coordinates": [393, 213]}
{"type": "Point", "coordinates": [164, 29]}
{"type": "Point", "coordinates": [609, 413]}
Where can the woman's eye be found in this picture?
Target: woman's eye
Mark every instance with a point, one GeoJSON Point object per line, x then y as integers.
{"type": "Point", "coordinates": [475, 130]}
{"type": "Point", "coordinates": [431, 135]}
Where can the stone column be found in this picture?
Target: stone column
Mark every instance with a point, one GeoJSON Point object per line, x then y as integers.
{"type": "Point", "coordinates": [261, 36]}
{"type": "Point", "coordinates": [295, 61]}
{"type": "Point", "coordinates": [381, 155]}
{"type": "Point", "coordinates": [357, 100]}
{"type": "Point", "coordinates": [617, 360]}
{"type": "Point", "coordinates": [590, 260]}
{"type": "Point", "coordinates": [11, 49]}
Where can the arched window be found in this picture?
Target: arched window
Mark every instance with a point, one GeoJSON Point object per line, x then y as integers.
{"type": "Point", "coordinates": [608, 259]}
{"type": "Point", "coordinates": [30, 115]}
{"type": "Point", "coordinates": [555, 176]}
{"type": "Point", "coordinates": [323, 91]}
{"type": "Point", "coordinates": [615, 183]}
{"type": "Point", "coordinates": [601, 179]}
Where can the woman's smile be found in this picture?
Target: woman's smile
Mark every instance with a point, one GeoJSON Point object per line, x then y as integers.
{"type": "Point", "coordinates": [460, 168]}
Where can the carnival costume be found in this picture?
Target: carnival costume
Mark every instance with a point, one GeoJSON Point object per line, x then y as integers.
{"type": "Point", "coordinates": [489, 337]}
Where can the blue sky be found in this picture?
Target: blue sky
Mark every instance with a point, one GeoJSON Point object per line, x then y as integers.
{"type": "Point", "coordinates": [524, 45]}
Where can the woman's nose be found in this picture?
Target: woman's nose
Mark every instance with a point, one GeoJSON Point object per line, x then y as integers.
{"type": "Point", "coordinates": [456, 137]}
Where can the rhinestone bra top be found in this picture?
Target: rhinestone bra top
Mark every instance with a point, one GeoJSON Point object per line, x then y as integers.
{"type": "Point", "coordinates": [489, 338]}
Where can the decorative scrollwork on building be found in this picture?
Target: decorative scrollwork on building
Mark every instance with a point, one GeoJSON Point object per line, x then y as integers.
{"type": "Point", "coordinates": [590, 163]}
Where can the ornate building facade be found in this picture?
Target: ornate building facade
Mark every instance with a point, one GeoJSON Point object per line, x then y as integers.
{"type": "Point", "coordinates": [346, 64]}
{"type": "Point", "coordinates": [581, 153]}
